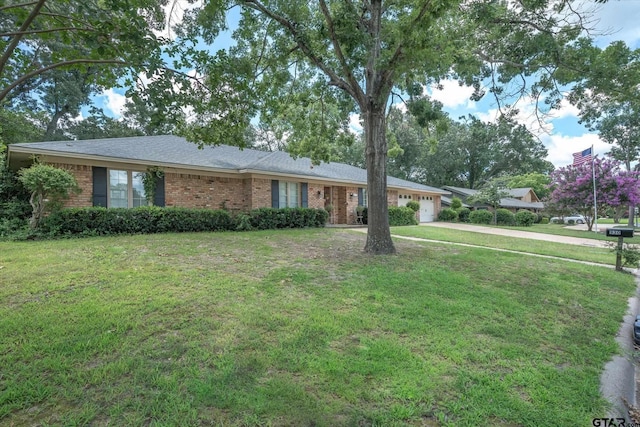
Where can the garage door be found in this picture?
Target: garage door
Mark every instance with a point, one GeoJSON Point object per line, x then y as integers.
{"type": "Point", "coordinates": [403, 199]}
{"type": "Point", "coordinates": [427, 209]}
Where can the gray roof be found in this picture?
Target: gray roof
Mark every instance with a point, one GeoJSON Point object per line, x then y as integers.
{"type": "Point", "coordinates": [518, 192]}
{"type": "Point", "coordinates": [175, 151]}
{"type": "Point", "coordinates": [507, 202]}
{"type": "Point", "coordinates": [447, 201]}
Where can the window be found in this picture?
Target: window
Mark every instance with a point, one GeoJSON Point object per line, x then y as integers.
{"type": "Point", "coordinates": [289, 194]}
{"type": "Point", "coordinates": [365, 197]}
{"type": "Point", "coordinates": [126, 189]}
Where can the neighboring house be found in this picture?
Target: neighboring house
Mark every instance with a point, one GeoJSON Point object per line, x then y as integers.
{"type": "Point", "coordinates": [521, 198]}
{"type": "Point", "coordinates": [108, 172]}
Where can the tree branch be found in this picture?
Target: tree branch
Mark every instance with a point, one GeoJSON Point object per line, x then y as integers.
{"type": "Point", "coordinates": [13, 6]}
{"type": "Point", "coordinates": [5, 92]}
{"type": "Point", "coordinates": [335, 80]}
{"type": "Point", "coordinates": [16, 40]}
{"type": "Point", "coordinates": [50, 30]}
{"type": "Point", "coordinates": [336, 46]}
{"type": "Point", "coordinates": [399, 52]}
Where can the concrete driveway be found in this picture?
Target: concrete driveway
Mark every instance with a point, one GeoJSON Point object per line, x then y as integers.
{"type": "Point", "coordinates": [519, 233]}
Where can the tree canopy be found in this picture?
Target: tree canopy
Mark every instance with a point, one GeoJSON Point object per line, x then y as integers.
{"type": "Point", "coordinates": [302, 67]}
{"type": "Point", "coordinates": [608, 95]}
{"type": "Point", "coordinates": [41, 36]}
{"type": "Point", "coordinates": [573, 187]}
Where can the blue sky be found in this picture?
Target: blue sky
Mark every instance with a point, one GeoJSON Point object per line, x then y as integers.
{"type": "Point", "coordinates": [561, 133]}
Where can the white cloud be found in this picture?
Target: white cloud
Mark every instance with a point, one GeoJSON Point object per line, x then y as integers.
{"type": "Point", "coordinates": [114, 102]}
{"type": "Point", "coordinates": [355, 124]}
{"type": "Point", "coordinates": [566, 110]}
{"type": "Point", "coordinates": [452, 95]}
{"type": "Point", "coordinates": [561, 147]}
{"type": "Point", "coordinates": [618, 20]}
{"type": "Point", "coordinates": [528, 115]}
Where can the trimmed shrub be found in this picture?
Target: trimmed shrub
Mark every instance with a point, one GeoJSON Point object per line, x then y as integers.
{"type": "Point", "coordinates": [402, 215]}
{"type": "Point", "coordinates": [395, 218]}
{"type": "Point", "coordinates": [463, 214]}
{"type": "Point", "coordinates": [448, 215]}
{"type": "Point", "coordinates": [482, 216]}
{"type": "Point", "coordinates": [571, 221]}
{"type": "Point", "coordinates": [525, 218]}
{"type": "Point", "coordinates": [544, 220]}
{"type": "Point", "coordinates": [413, 205]}
{"type": "Point", "coordinates": [456, 203]}
{"type": "Point", "coordinates": [144, 220]}
{"type": "Point", "coordinates": [505, 217]}
{"type": "Point", "coordinates": [272, 218]}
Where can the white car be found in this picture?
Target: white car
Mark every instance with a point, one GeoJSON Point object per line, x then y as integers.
{"type": "Point", "coordinates": [569, 219]}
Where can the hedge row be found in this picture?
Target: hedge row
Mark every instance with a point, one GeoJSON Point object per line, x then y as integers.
{"type": "Point", "coordinates": [144, 220]}
{"type": "Point", "coordinates": [398, 215]}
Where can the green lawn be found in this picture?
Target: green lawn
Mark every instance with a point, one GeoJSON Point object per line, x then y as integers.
{"type": "Point", "coordinates": [294, 328]}
{"type": "Point", "coordinates": [581, 253]}
{"type": "Point", "coordinates": [562, 230]}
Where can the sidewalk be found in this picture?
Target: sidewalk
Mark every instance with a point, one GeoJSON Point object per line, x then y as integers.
{"type": "Point", "coordinates": [518, 234]}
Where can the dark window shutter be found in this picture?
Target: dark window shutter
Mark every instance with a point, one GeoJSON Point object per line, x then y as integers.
{"type": "Point", "coordinates": [360, 197]}
{"type": "Point", "coordinates": [100, 186]}
{"type": "Point", "coordinates": [304, 189]}
{"type": "Point", "coordinates": [158, 197]}
{"type": "Point", "coordinates": [275, 193]}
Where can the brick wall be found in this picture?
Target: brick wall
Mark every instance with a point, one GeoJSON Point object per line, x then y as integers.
{"type": "Point", "coordinates": [84, 178]}
{"type": "Point", "coordinates": [197, 191]}
{"type": "Point", "coordinates": [259, 193]}
{"type": "Point", "coordinates": [392, 198]}
{"type": "Point", "coordinates": [314, 200]}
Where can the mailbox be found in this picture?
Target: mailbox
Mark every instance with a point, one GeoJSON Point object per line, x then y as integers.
{"type": "Point", "coordinates": [620, 232]}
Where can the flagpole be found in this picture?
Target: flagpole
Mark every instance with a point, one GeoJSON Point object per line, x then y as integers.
{"type": "Point", "coordinates": [595, 204]}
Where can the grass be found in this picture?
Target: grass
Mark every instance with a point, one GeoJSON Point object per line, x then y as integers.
{"type": "Point", "coordinates": [562, 230]}
{"type": "Point", "coordinates": [581, 253]}
{"type": "Point", "coordinates": [299, 328]}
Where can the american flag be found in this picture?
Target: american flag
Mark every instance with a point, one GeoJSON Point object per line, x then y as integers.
{"type": "Point", "coordinates": [582, 156]}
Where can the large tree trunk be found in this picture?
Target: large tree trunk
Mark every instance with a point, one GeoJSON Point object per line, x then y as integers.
{"type": "Point", "coordinates": [378, 233]}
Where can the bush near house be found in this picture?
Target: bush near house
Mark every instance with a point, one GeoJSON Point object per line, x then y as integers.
{"type": "Point", "coordinates": [463, 214]}
{"type": "Point", "coordinates": [147, 220]}
{"type": "Point", "coordinates": [402, 215]}
{"type": "Point", "coordinates": [525, 218]}
{"type": "Point", "coordinates": [505, 217]}
{"type": "Point", "coordinates": [413, 205]}
{"type": "Point", "coordinates": [448, 215]}
{"type": "Point", "coordinates": [482, 216]}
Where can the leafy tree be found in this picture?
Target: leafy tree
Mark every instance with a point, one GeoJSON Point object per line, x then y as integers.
{"type": "Point", "coordinates": [491, 194]}
{"type": "Point", "coordinates": [608, 96]}
{"type": "Point", "coordinates": [538, 181]}
{"type": "Point", "coordinates": [572, 187]}
{"type": "Point", "coordinates": [14, 207]}
{"type": "Point", "coordinates": [472, 153]}
{"type": "Point", "coordinates": [98, 125]}
{"type": "Point", "coordinates": [302, 67]}
{"type": "Point", "coordinates": [20, 126]}
{"type": "Point", "coordinates": [47, 185]}
{"type": "Point", "coordinates": [110, 37]}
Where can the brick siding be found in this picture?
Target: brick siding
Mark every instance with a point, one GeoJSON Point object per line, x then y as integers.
{"type": "Point", "coordinates": [235, 194]}
{"type": "Point", "coordinates": [84, 178]}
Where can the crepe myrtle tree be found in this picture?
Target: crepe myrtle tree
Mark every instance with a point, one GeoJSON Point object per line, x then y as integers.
{"type": "Point", "coordinates": [305, 67]}
{"type": "Point", "coordinates": [572, 187]}
{"type": "Point", "coordinates": [48, 185]}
